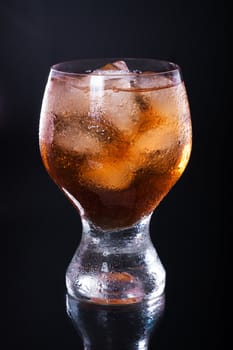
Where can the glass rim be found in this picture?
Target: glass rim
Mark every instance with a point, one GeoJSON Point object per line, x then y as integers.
{"type": "Point", "coordinates": [57, 67]}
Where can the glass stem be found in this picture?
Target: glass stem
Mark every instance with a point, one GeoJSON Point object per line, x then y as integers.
{"type": "Point", "coordinates": [115, 267]}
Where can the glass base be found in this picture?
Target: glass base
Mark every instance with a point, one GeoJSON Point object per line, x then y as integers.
{"type": "Point", "coordinates": [115, 267]}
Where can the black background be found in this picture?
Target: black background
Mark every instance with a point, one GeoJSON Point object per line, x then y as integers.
{"type": "Point", "coordinates": [43, 229]}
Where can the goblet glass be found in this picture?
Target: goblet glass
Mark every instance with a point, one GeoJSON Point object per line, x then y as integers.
{"type": "Point", "coordinates": [115, 136]}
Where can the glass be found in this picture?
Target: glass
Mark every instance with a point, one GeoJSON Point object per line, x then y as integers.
{"type": "Point", "coordinates": [115, 136]}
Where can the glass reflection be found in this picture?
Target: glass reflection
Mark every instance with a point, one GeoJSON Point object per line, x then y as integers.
{"type": "Point", "coordinates": [108, 327]}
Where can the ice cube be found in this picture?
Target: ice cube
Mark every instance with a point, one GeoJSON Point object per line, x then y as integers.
{"type": "Point", "coordinates": [170, 102]}
{"type": "Point", "coordinates": [112, 99]}
{"type": "Point", "coordinates": [158, 148]}
{"type": "Point", "coordinates": [118, 67]}
{"type": "Point", "coordinates": [71, 133]}
{"type": "Point", "coordinates": [160, 138]}
{"type": "Point", "coordinates": [78, 142]}
{"type": "Point", "coordinates": [106, 99]}
{"type": "Point", "coordinates": [115, 75]}
{"type": "Point", "coordinates": [108, 173]}
{"type": "Point", "coordinates": [109, 102]}
{"type": "Point", "coordinates": [150, 80]}
{"type": "Point", "coordinates": [120, 109]}
{"type": "Point", "coordinates": [67, 95]}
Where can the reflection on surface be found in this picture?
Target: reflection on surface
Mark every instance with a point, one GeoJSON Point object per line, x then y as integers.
{"type": "Point", "coordinates": [115, 327]}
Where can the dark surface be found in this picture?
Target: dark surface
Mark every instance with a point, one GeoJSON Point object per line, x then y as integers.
{"type": "Point", "coordinates": [43, 229]}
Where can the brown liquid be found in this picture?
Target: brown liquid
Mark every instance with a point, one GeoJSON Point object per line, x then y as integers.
{"type": "Point", "coordinates": [104, 207]}
{"type": "Point", "coordinates": [127, 175]}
